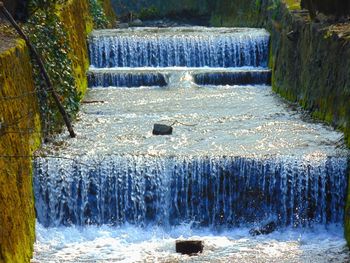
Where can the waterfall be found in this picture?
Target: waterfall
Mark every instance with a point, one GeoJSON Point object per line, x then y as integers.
{"type": "Point", "coordinates": [208, 191]}
{"type": "Point", "coordinates": [249, 77]}
{"type": "Point", "coordinates": [108, 79]}
{"type": "Point", "coordinates": [210, 48]}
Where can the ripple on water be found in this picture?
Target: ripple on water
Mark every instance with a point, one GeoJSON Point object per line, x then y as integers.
{"type": "Point", "coordinates": [228, 120]}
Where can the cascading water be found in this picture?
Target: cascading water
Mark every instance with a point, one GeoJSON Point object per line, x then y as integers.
{"type": "Point", "coordinates": [125, 79]}
{"type": "Point", "coordinates": [195, 47]}
{"type": "Point", "coordinates": [209, 191]}
{"type": "Point", "coordinates": [239, 157]}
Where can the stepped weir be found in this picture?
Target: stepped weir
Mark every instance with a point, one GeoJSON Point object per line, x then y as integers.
{"type": "Point", "coordinates": [239, 156]}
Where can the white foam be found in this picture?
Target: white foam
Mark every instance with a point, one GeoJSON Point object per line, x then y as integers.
{"type": "Point", "coordinates": [156, 244]}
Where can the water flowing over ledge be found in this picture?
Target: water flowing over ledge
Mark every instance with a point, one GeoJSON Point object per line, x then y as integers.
{"type": "Point", "coordinates": [130, 79]}
{"type": "Point", "coordinates": [177, 76]}
{"type": "Point", "coordinates": [249, 77]}
{"type": "Point", "coordinates": [209, 191]}
{"type": "Point", "coordinates": [190, 47]}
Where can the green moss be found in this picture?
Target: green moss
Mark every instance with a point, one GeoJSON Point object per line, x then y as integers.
{"type": "Point", "coordinates": [78, 22]}
{"type": "Point", "coordinates": [293, 4]}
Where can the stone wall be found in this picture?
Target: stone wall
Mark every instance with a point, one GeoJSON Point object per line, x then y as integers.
{"type": "Point", "coordinates": [19, 136]}
{"type": "Point", "coordinates": [78, 24]}
{"type": "Point", "coordinates": [311, 66]}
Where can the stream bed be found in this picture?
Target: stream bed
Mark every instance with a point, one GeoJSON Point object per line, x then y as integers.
{"type": "Point", "coordinates": [239, 158]}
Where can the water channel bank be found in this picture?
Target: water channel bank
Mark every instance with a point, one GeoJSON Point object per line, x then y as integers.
{"type": "Point", "coordinates": [21, 129]}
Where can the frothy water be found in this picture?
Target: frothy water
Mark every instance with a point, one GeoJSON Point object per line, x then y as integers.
{"type": "Point", "coordinates": [155, 244]}
{"type": "Point", "coordinates": [224, 120]}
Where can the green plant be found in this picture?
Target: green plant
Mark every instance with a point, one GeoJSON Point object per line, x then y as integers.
{"type": "Point", "coordinates": [47, 5]}
{"type": "Point", "coordinates": [98, 15]}
{"type": "Point", "coordinates": [47, 34]}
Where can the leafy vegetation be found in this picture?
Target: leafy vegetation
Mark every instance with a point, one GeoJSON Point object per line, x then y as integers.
{"type": "Point", "coordinates": [98, 15]}
{"type": "Point", "coordinates": [49, 37]}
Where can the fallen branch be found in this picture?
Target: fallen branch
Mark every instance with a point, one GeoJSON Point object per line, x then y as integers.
{"type": "Point", "coordinates": [43, 71]}
{"type": "Point", "coordinates": [183, 124]}
{"type": "Point", "coordinates": [92, 101]}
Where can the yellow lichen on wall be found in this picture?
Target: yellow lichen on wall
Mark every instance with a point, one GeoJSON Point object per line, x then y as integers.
{"type": "Point", "coordinates": [19, 137]}
{"type": "Point", "coordinates": [78, 23]}
{"type": "Point", "coordinates": [76, 17]}
{"type": "Point", "coordinates": [293, 4]}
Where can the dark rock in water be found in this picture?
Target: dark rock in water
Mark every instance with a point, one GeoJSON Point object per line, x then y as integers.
{"type": "Point", "coordinates": [161, 129]}
{"type": "Point", "coordinates": [189, 247]}
{"type": "Point", "coordinates": [264, 230]}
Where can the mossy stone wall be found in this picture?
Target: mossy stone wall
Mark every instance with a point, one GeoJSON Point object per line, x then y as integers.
{"type": "Point", "coordinates": [19, 137]}
{"type": "Point", "coordinates": [75, 16]}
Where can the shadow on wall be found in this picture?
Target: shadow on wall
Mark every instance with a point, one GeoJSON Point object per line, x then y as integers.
{"type": "Point", "coordinates": [328, 7]}
{"type": "Point", "coordinates": [18, 8]}
{"type": "Point", "coordinates": [198, 7]}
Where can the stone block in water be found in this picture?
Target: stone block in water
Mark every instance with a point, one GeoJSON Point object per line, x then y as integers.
{"type": "Point", "coordinates": [189, 247]}
{"type": "Point", "coordinates": [161, 129]}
